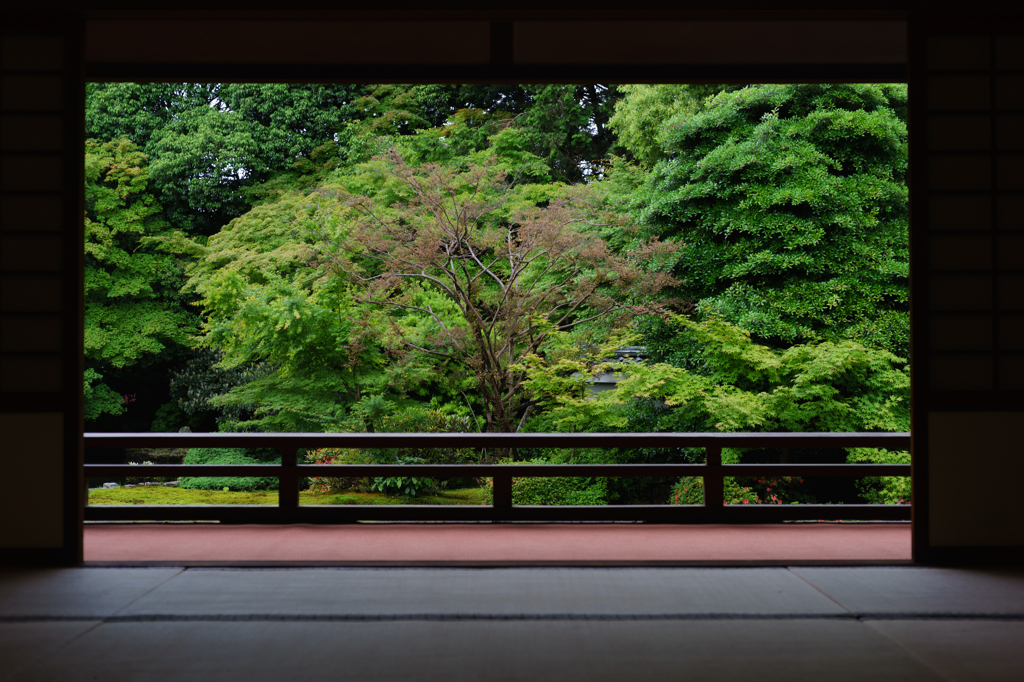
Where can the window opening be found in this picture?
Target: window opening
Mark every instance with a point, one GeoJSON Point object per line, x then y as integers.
{"type": "Point", "coordinates": [462, 259]}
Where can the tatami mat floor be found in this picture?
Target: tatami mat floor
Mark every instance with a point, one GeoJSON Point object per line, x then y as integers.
{"type": "Point", "coordinates": [593, 624]}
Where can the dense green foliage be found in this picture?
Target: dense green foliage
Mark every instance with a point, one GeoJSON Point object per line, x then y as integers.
{"type": "Point", "coordinates": [471, 273]}
{"type": "Point", "coordinates": [640, 117]}
{"type": "Point", "coordinates": [791, 201]}
{"type": "Point", "coordinates": [434, 258]}
{"type": "Point", "coordinates": [177, 495]}
{"type": "Point", "coordinates": [131, 300]}
{"type": "Point", "coordinates": [553, 490]}
{"type": "Point", "coordinates": [729, 383]}
{"type": "Point", "coordinates": [782, 490]}
{"type": "Point", "coordinates": [231, 456]}
{"type": "Point", "coordinates": [734, 384]}
{"type": "Point", "coordinates": [262, 308]}
{"type": "Point", "coordinates": [207, 142]}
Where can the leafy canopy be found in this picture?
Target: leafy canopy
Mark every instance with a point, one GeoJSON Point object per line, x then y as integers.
{"type": "Point", "coordinates": [268, 305]}
{"type": "Point", "coordinates": [737, 385]}
{"type": "Point", "coordinates": [131, 302]}
{"type": "Point", "coordinates": [791, 201]}
{"type": "Point", "coordinates": [208, 142]}
{"type": "Point", "coordinates": [474, 273]}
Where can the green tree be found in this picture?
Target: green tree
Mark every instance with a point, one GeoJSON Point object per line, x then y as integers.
{"type": "Point", "coordinates": [564, 125]}
{"type": "Point", "coordinates": [208, 142]}
{"type": "Point", "coordinates": [791, 202]}
{"type": "Point", "coordinates": [206, 145]}
{"type": "Point", "coordinates": [247, 273]}
{"type": "Point", "coordinates": [643, 110]}
{"type": "Point", "coordinates": [737, 385]}
{"type": "Point", "coordinates": [131, 305]}
{"type": "Point", "coordinates": [281, 323]}
{"type": "Point", "coordinates": [567, 126]}
{"type": "Point", "coordinates": [732, 384]}
{"type": "Point", "coordinates": [135, 111]}
{"type": "Point", "coordinates": [476, 274]}
{"type": "Point", "coordinates": [439, 102]}
{"type": "Point", "coordinates": [200, 161]}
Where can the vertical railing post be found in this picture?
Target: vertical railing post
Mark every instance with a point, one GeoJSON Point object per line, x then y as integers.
{"type": "Point", "coordinates": [503, 491]}
{"type": "Point", "coordinates": [714, 479]}
{"type": "Point", "coordinates": [288, 481]}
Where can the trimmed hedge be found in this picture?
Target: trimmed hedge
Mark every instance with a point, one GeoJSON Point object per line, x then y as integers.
{"type": "Point", "coordinates": [231, 456]}
{"type": "Point", "coordinates": [559, 491]}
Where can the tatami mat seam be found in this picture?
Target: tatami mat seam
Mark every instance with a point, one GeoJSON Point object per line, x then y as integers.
{"type": "Point", "coordinates": [373, 617]}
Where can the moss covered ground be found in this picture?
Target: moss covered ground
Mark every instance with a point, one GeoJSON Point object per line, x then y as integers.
{"type": "Point", "coordinates": [161, 495]}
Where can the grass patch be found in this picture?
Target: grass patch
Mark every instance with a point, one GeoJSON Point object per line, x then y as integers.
{"type": "Point", "coordinates": [162, 495]}
{"type": "Point", "coordinates": [473, 496]}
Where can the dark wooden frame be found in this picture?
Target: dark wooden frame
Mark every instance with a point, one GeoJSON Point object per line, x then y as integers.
{"type": "Point", "coordinates": [68, 400]}
{"type": "Point", "coordinates": [925, 399]}
{"type": "Point", "coordinates": [502, 69]}
{"type": "Point", "coordinates": [70, 23]}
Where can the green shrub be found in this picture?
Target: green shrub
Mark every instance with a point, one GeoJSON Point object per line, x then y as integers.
{"type": "Point", "coordinates": [559, 491]}
{"type": "Point", "coordinates": [325, 484]}
{"type": "Point", "coordinates": [690, 490]}
{"type": "Point", "coordinates": [403, 486]}
{"type": "Point", "coordinates": [753, 490]}
{"type": "Point", "coordinates": [882, 489]}
{"type": "Point", "coordinates": [231, 456]}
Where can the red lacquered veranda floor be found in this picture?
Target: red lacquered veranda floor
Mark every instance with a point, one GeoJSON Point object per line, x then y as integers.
{"type": "Point", "coordinates": [497, 544]}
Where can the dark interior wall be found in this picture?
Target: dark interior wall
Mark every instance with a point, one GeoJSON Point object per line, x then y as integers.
{"type": "Point", "coordinates": [41, 130]}
{"type": "Point", "coordinates": [967, 256]}
{"type": "Point", "coordinates": [967, 259]}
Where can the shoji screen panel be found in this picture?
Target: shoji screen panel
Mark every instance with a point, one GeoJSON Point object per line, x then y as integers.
{"type": "Point", "coordinates": [41, 111]}
{"type": "Point", "coordinates": [967, 166]}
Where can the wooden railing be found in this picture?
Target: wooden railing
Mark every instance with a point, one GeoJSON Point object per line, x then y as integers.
{"type": "Point", "coordinates": [289, 473]}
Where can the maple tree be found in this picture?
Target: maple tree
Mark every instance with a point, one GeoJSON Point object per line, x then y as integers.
{"type": "Point", "coordinates": [478, 274]}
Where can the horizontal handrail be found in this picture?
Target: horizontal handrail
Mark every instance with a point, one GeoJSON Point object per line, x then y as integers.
{"type": "Point", "coordinates": [893, 440]}
{"type": "Point", "coordinates": [325, 514]}
{"type": "Point", "coordinates": [519, 470]}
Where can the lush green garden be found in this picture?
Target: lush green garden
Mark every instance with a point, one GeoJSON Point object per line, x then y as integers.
{"type": "Point", "coordinates": [160, 495]}
{"type": "Point", "coordinates": [462, 258]}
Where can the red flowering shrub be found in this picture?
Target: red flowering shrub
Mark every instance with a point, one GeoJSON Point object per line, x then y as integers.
{"type": "Point", "coordinates": [325, 484]}
{"type": "Point", "coordinates": [690, 490]}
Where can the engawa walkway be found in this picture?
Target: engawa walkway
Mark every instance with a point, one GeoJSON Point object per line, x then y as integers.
{"type": "Point", "coordinates": [497, 544]}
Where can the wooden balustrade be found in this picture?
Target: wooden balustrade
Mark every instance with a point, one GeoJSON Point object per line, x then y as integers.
{"type": "Point", "coordinates": [290, 472]}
